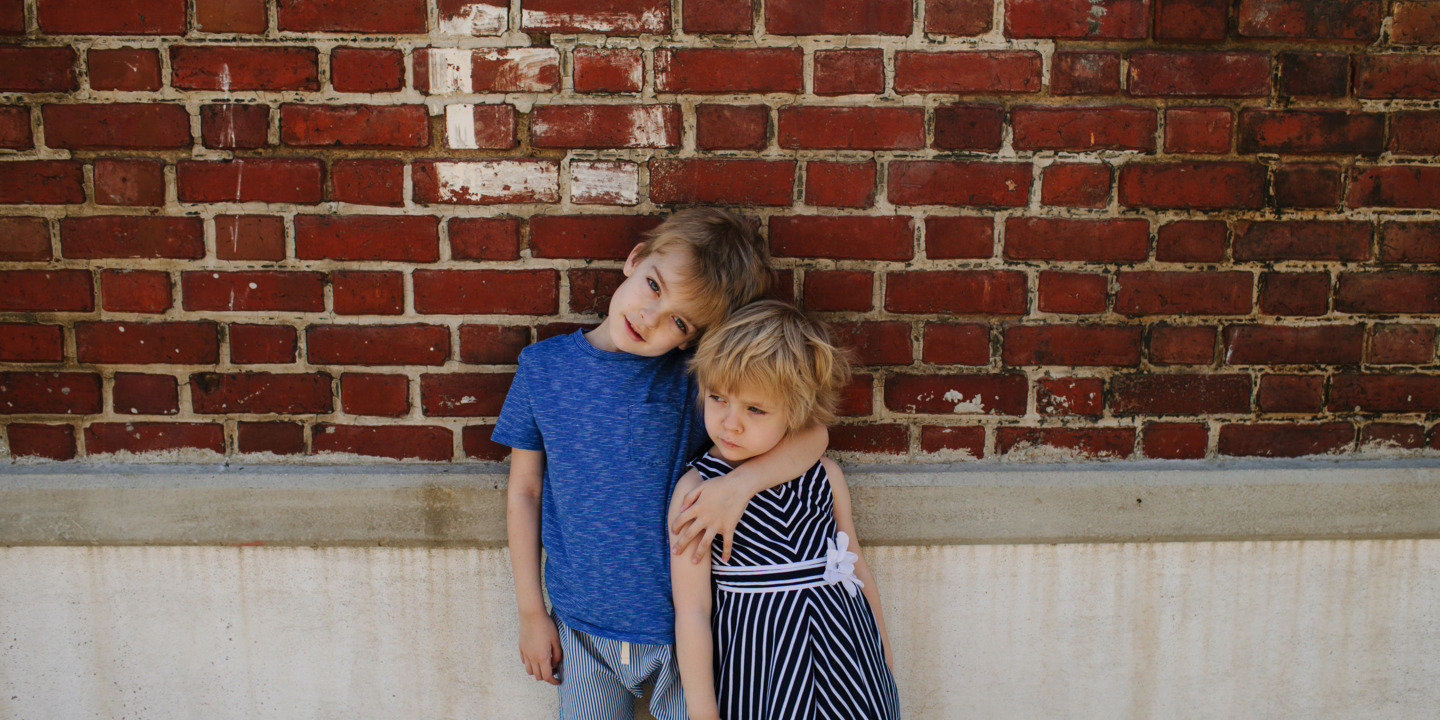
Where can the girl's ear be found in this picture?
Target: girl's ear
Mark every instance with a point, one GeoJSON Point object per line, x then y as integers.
{"type": "Point", "coordinates": [632, 260]}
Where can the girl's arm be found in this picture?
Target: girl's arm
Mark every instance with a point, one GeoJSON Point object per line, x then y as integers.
{"type": "Point", "coordinates": [715, 506]}
{"type": "Point", "coordinates": [694, 645]}
{"type": "Point", "coordinates": [539, 638]}
{"type": "Point", "coordinates": [845, 521]}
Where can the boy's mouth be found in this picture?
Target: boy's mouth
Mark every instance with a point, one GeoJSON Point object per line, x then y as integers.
{"type": "Point", "coordinates": [633, 332]}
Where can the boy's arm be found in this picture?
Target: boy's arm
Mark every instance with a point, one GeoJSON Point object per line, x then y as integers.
{"type": "Point", "coordinates": [845, 522]}
{"type": "Point", "coordinates": [539, 639]}
{"type": "Point", "coordinates": [715, 507]}
{"type": "Point", "coordinates": [694, 645]}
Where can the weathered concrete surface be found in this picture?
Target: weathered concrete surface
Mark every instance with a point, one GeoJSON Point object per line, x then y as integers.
{"type": "Point", "coordinates": [1308, 630]}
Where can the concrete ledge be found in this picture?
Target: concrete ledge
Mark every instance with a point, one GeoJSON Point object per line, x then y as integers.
{"type": "Point", "coordinates": [409, 505]}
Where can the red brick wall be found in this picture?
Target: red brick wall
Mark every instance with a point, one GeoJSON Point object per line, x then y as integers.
{"type": "Point", "coordinates": [1114, 228]}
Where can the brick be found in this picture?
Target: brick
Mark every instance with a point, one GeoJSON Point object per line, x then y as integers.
{"type": "Point", "coordinates": [970, 127]}
{"type": "Point", "coordinates": [1075, 185]}
{"type": "Point", "coordinates": [358, 292]}
{"type": "Point", "coordinates": [1085, 73]}
{"type": "Point", "coordinates": [606, 126]}
{"type": "Point", "coordinates": [1181, 345]}
{"type": "Point", "coordinates": [273, 180]}
{"type": "Point", "coordinates": [1198, 130]}
{"type": "Point", "coordinates": [142, 394]}
{"type": "Point", "coordinates": [29, 343]}
{"type": "Point", "coordinates": [941, 438]}
{"type": "Point", "coordinates": [230, 68]}
{"type": "Point", "coordinates": [249, 237]}
{"type": "Point", "coordinates": [1201, 20]}
{"type": "Point", "coordinates": [1388, 292]}
{"type": "Point", "coordinates": [731, 127]}
{"type": "Point", "coordinates": [386, 17]}
{"type": "Point", "coordinates": [132, 236]}
{"type": "Point", "coordinates": [472, 18]}
{"type": "Point", "coordinates": [125, 17]}
{"type": "Point", "coordinates": [129, 182]}
{"type": "Point", "coordinates": [1174, 394]}
{"type": "Point", "coordinates": [1094, 443]}
{"type": "Point", "coordinates": [872, 438]}
{"type": "Point", "coordinates": [24, 239]}
{"type": "Point", "coordinates": [848, 238]}
{"type": "Point", "coordinates": [253, 290]}
{"type": "Point", "coordinates": [12, 17]}
{"type": "Point", "coordinates": [612, 17]}
{"type": "Point", "coordinates": [1076, 345]}
{"type": "Point", "coordinates": [840, 184]}
{"type": "Point", "coordinates": [608, 70]}
{"type": "Point", "coordinates": [588, 236]}
{"type": "Point", "coordinates": [1397, 76]}
{"type": "Point", "coordinates": [1194, 73]}
{"type": "Point", "coordinates": [956, 344]}
{"type": "Point", "coordinates": [1285, 439]}
{"type": "Point", "coordinates": [133, 343]}
{"type": "Point", "coordinates": [232, 126]}
{"type": "Point", "coordinates": [1380, 436]}
{"type": "Point", "coordinates": [357, 126]}
{"type": "Point", "coordinates": [42, 182]}
{"type": "Point", "coordinates": [1016, 71]}
{"type": "Point", "coordinates": [369, 182]}
{"type": "Point", "coordinates": [153, 437]}
{"type": "Point", "coordinates": [52, 442]}
{"type": "Point", "coordinates": [958, 17]}
{"type": "Point", "coordinates": [875, 343]}
{"type": "Point", "coordinates": [857, 128]}
{"type": "Point", "coordinates": [1413, 133]}
{"type": "Point", "coordinates": [253, 392]}
{"type": "Point", "coordinates": [839, 291]}
{"type": "Point", "coordinates": [1287, 345]}
{"type": "Point", "coordinates": [15, 132]}
{"type": "Point", "coordinates": [493, 344]}
{"type": "Point", "coordinates": [1307, 186]}
{"type": "Point", "coordinates": [706, 70]}
{"type": "Point", "coordinates": [477, 445]}
{"type": "Point", "coordinates": [137, 291]}
{"type": "Point", "coordinates": [986, 394]}
{"type": "Point", "coordinates": [975, 184]}
{"type": "Point", "coordinates": [1193, 186]}
{"type": "Point", "coordinates": [276, 438]}
{"type": "Point", "coordinates": [849, 72]}
{"type": "Point", "coordinates": [37, 69]}
{"type": "Point", "coordinates": [1401, 345]}
{"type": "Point", "coordinates": [262, 344]}
{"type": "Point", "coordinates": [1070, 396]}
{"type": "Point", "coordinates": [127, 69]}
{"type": "Point", "coordinates": [375, 394]}
{"type": "Point", "coordinates": [1122, 240]}
{"type": "Point", "coordinates": [1349, 20]}
{"type": "Point", "coordinates": [398, 442]}
{"type": "Point", "coordinates": [1302, 240]}
{"type": "Point", "coordinates": [1410, 242]}
{"type": "Point", "coordinates": [959, 238]}
{"type": "Point", "coordinates": [526, 69]}
{"type": "Point", "coordinates": [1384, 393]}
{"type": "Point", "coordinates": [731, 182]}
{"type": "Point", "coordinates": [490, 127]}
{"type": "Point", "coordinates": [486, 182]}
{"type": "Point", "coordinates": [463, 394]}
{"type": "Point", "coordinates": [1174, 441]}
{"type": "Point", "coordinates": [412, 344]}
{"type": "Point", "coordinates": [367, 70]}
{"type": "Point", "coordinates": [592, 289]}
{"type": "Point", "coordinates": [49, 393]}
{"type": "Point", "coordinates": [46, 291]}
{"type": "Point", "coordinates": [402, 238]}
{"type": "Point", "coordinates": [1072, 293]}
{"type": "Point", "coordinates": [1305, 294]}
{"type": "Point", "coordinates": [1314, 74]}
{"type": "Point", "coordinates": [959, 292]}
{"type": "Point", "coordinates": [1311, 132]}
{"type": "Point", "coordinates": [1394, 186]}
{"type": "Point", "coordinates": [247, 17]}
{"type": "Point", "coordinates": [1291, 394]}
{"type": "Point", "coordinates": [604, 183]}
{"type": "Point", "coordinates": [1199, 241]}
{"type": "Point", "coordinates": [717, 16]}
{"type": "Point", "coordinates": [818, 17]}
{"type": "Point", "coordinates": [1117, 19]}
{"type": "Point", "coordinates": [485, 238]}
{"type": "Point", "coordinates": [1192, 293]}
{"type": "Point", "coordinates": [486, 292]}
{"type": "Point", "coordinates": [1415, 23]}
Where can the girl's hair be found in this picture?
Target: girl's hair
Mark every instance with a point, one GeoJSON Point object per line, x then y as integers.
{"type": "Point", "coordinates": [771, 347]}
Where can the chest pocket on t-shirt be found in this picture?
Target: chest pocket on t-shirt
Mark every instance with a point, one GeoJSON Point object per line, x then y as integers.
{"type": "Point", "coordinates": [654, 434]}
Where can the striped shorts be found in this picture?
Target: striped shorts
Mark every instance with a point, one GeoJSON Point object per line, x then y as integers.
{"type": "Point", "coordinates": [600, 678]}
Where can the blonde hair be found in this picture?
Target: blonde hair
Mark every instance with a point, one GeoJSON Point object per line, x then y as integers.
{"type": "Point", "coordinates": [729, 262]}
{"type": "Point", "coordinates": [771, 347]}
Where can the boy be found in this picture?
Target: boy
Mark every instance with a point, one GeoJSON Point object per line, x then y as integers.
{"type": "Point", "coordinates": [602, 423]}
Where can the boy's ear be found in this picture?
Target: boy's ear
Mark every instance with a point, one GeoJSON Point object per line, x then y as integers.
{"type": "Point", "coordinates": [632, 260]}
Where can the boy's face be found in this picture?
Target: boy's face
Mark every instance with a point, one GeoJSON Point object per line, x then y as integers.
{"type": "Point", "coordinates": [651, 312]}
{"type": "Point", "coordinates": [743, 424]}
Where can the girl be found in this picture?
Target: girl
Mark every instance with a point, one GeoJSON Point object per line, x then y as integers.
{"type": "Point", "coordinates": [792, 626]}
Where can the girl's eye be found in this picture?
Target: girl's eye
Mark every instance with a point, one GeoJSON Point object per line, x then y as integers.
{"type": "Point", "coordinates": [654, 286]}
{"type": "Point", "coordinates": [756, 410]}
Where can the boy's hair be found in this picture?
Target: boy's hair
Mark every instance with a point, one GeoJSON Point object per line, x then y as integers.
{"type": "Point", "coordinates": [771, 347]}
{"type": "Point", "coordinates": [729, 263]}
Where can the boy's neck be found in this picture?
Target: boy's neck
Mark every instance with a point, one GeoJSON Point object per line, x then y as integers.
{"type": "Point", "coordinates": [599, 337]}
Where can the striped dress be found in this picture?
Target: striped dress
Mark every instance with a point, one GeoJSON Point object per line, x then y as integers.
{"type": "Point", "coordinates": [791, 639]}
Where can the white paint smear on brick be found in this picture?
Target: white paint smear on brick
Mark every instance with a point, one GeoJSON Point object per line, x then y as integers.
{"type": "Point", "coordinates": [521, 67]}
{"type": "Point", "coordinates": [649, 126]}
{"type": "Point", "coordinates": [450, 70]}
{"type": "Point", "coordinates": [476, 19]}
{"type": "Point", "coordinates": [604, 183]}
{"type": "Point", "coordinates": [460, 127]}
{"type": "Point", "coordinates": [486, 180]}
{"type": "Point", "coordinates": [650, 21]}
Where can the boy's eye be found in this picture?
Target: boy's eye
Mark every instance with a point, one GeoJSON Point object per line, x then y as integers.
{"type": "Point", "coordinates": [654, 286]}
{"type": "Point", "coordinates": [684, 329]}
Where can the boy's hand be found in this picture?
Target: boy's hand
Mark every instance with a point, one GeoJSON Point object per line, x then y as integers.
{"type": "Point", "coordinates": [540, 647]}
{"type": "Point", "coordinates": [712, 509]}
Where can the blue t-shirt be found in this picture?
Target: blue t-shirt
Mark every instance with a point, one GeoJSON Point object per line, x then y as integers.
{"type": "Point", "coordinates": [617, 431]}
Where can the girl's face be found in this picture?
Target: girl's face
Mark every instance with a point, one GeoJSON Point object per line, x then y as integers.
{"type": "Point", "coordinates": [743, 424]}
